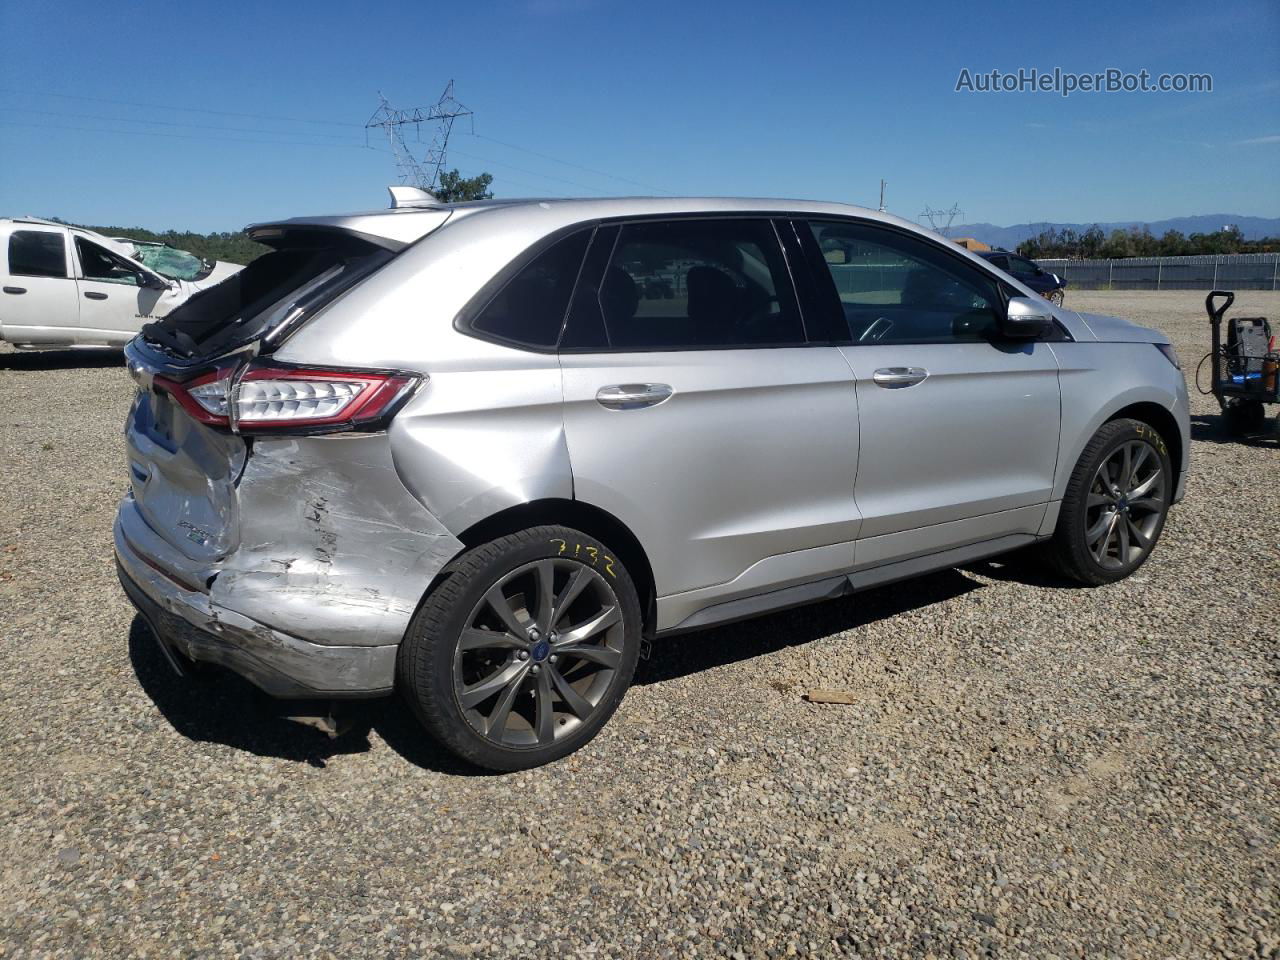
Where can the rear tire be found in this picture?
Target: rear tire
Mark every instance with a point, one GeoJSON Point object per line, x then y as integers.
{"type": "Point", "coordinates": [1115, 506]}
{"type": "Point", "coordinates": [524, 650]}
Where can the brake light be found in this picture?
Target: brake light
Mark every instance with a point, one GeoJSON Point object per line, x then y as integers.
{"type": "Point", "coordinates": [283, 398]}
{"type": "Point", "coordinates": [270, 397]}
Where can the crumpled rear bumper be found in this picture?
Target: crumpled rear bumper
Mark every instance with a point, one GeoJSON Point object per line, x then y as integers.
{"type": "Point", "coordinates": [279, 664]}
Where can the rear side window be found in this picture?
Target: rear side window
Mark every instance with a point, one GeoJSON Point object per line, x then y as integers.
{"type": "Point", "coordinates": [37, 253]}
{"type": "Point", "coordinates": [530, 308]}
{"type": "Point", "coordinates": [1023, 268]}
{"type": "Point", "coordinates": [708, 284]}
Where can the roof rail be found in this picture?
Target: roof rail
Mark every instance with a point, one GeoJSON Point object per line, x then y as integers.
{"type": "Point", "coordinates": [402, 196]}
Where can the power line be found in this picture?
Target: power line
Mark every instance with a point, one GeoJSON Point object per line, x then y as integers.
{"type": "Point", "coordinates": [578, 166]}
{"type": "Point", "coordinates": [180, 136]}
{"type": "Point", "coordinates": [160, 106]}
{"type": "Point", "coordinates": [168, 123]}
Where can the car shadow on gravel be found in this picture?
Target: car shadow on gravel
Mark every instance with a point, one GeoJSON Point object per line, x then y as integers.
{"type": "Point", "coordinates": [62, 359]}
{"type": "Point", "coordinates": [1212, 428]}
{"type": "Point", "coordinates": [218, 706]}
{"type": "Point", "coordinates": [687, 653]}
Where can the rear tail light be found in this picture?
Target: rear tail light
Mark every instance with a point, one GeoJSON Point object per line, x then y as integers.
{"type": "Point", "coordinates": [274, 399]}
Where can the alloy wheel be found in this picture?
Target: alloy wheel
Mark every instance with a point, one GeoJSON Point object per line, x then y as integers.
{"type": "Point", "coordinates": [1126, 505]}
{"type": "Point", "coordinates": [539, 653]}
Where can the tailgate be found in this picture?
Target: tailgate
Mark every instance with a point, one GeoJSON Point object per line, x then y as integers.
{"type": "Point", "coordinates": [182, 475]}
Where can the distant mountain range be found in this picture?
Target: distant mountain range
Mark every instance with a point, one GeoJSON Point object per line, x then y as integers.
{"type": "Point", "coordinates": [1253, 228]}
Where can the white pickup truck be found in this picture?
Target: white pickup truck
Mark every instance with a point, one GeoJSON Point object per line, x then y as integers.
{"type": "Point", "coordinates": [63, 286]}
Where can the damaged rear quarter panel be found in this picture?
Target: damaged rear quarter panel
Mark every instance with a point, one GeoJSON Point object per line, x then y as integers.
{"type": "Point", "coordinates": [333, 548]}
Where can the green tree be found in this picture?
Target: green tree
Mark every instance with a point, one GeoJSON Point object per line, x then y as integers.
{"type": "Point", "coordinates": [455, 188]}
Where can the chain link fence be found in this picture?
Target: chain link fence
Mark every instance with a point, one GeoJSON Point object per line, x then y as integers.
{"type": "Point", "coordinates": [1244, 271]}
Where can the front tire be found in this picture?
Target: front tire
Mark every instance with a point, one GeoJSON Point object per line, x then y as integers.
{"type": "Point", "coordinates": [1056, 297]}
{"type": "Point", "coordinates": [1115, 505]}
{"type": "Point", "coordinates": [524, 650]}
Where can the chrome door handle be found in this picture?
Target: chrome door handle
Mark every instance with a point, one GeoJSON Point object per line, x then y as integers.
{"type": "Point", "coordinates": [899, 376]}
{"type": "Point", "coordinates": [632, 396]}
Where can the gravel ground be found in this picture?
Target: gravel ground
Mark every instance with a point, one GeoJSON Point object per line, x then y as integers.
{"type": "Point", "coordinates": [1027, 769]}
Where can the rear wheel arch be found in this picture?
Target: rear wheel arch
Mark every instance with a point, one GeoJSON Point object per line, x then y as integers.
{"type": "Point", "coordinates": [580, 516]}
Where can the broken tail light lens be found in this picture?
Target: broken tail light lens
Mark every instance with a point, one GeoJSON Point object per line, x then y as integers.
{"type": "Point", "coordinates": [270, 398]}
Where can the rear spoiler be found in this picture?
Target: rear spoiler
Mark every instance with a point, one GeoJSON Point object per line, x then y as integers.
{"type": "Point", "coordinates": [391, 230]}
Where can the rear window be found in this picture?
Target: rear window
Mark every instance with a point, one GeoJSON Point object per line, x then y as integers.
{"type": "Point", "coordinates": [279, 287]}
{"type": "Point", "coordinates": [37, 253]}
{"type": "Point", "coordinates": [530, 309]}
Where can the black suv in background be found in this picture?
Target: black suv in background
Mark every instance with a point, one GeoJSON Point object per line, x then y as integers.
{"type": "Point", "coordinates": [1049, 285]}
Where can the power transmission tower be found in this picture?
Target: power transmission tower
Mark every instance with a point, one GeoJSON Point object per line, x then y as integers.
{"type": "Point", "coordinates": [424, 174]}
{"type": "Point", "coordinates": [945, 217]}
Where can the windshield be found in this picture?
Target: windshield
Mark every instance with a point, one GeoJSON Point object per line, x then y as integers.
{"type": "Point", "coordinates": [171, 262]}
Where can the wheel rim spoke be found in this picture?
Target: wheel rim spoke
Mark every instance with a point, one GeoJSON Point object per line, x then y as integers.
{"type": "Point", "coordinates": [1135, 532]}
{"type": "Point", "coordinates": [1100, 500]}
{"type": "Point", "coordinates": [545, 577]}
{"type": "Point", "coordinates": [1122, 535]}
{"type": "Point", "coordinates": [1143, 452]}
{"type": "Point", "coordinates": [544, 710]}
{"type": "Point", "coordinates": [497, 720]}
{"type": "Point", "coordinates": [1104, 538]}
{"type": "Point", "coordinates": [500, 605]}
{"type": "Point", "coordinates": [475, 639]}
{"type": "Point", "coordinates": [1099, 529]}
{"type": "Point", "coordinates": [575, 701]}
{"type": "Point", "coordinates": [1149, 504]}
{"type": "Point", "coordinates": [578, 582]}
{"type": "Point", "coordinates": [479, 692]}
{"type": "Point", "coordinates": [1146, 486]}
{"type": "Point", "coordinates": [585, 631]}
{"type": "Point", "coordinates": [605, 656]}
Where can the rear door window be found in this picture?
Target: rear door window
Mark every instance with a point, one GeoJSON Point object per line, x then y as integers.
{"type": "Point", "coordinates": [37, 253]}
{"type": "Point", "coordinates": [698, 284]}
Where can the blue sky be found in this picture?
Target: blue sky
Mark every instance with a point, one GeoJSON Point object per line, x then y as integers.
{"type": "Point", "coordinates": [810, 100]}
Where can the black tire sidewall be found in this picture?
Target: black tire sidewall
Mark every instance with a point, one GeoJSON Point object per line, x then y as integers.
{"type": "Point", "coordinates": [428, 650]}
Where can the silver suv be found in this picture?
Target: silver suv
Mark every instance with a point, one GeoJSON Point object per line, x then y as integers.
{"type": "Point", "coordinates": [480, 454]}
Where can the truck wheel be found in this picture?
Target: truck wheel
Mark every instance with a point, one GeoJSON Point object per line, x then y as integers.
{"type": "Point", "coordinates": [525, 649]}
{"type": "Point", "coordinates": [1244, 416]}
{"type": "Point", "coordinates": [1115, 506]}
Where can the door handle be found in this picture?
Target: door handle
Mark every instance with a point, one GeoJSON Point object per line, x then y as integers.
{"type": "Point", "coordinates": [15, 289]}
{"type": "Point", "coordinates": [632, 396]}
{"type": "Point", "coordinates": [899, 376]}
{"type": "Point", "coordinates": [94, 295]}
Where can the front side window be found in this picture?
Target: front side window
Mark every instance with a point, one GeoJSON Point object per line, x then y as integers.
{"type": "Point", "coordinates": [894, 288]}
{"type": "Point", "coordinates": [98, 263]}
{"type": "Point", "coordinates": [529, 310]}
{"type": "Point", "coordinates": [681, 284]}
{"type": "Point", "coordinates": [37, 253]}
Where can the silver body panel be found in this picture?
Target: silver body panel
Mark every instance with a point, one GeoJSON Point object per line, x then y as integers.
{"type": "Point", "coordinates": [765, 477]}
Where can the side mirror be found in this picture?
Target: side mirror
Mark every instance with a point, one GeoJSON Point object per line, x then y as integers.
{"type": "Point", "coordinates": [1026, 318]}
{"type": "Point", "coordinates": [151, 282]}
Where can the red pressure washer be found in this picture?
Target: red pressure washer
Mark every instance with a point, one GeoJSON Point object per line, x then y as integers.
{"type": "Point", "coordinates": [1246, 369]}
